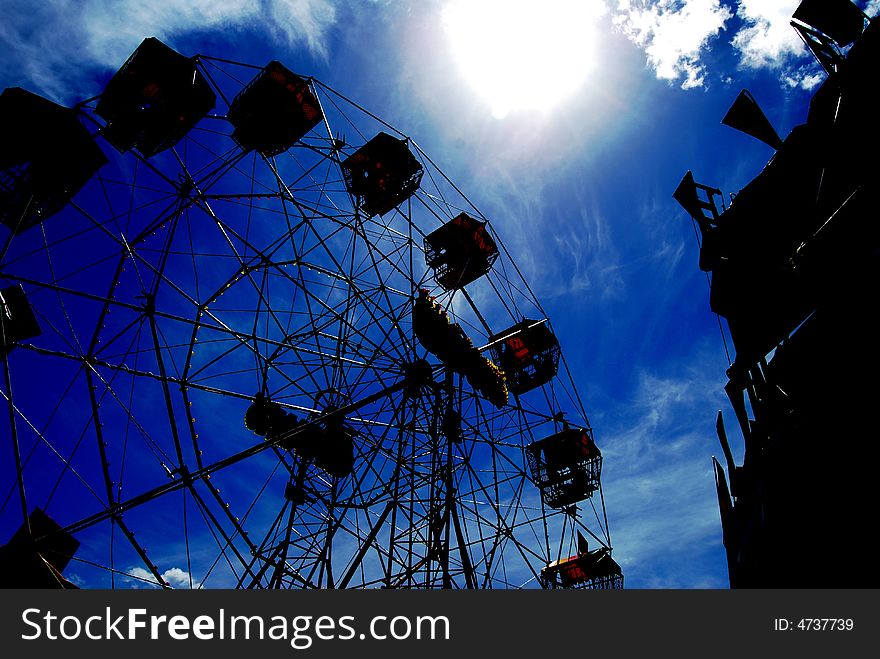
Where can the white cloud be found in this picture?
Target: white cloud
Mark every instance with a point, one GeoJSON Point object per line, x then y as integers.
{"type": "Point", "coordinates": [175, 577]}
{"type": "Point", "coordinates": [677, 34]}
{"type": "Point", "coordinates": [807, 77]}
{"type": "Point", "coordinates": [49, 46]}
{"type": "Point", "coordinates": [673, 33]}
{"type": "Point", "coordinates": [767, 38]}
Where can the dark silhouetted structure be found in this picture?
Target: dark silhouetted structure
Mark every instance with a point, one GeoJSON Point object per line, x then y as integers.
{"type": "Point", "coordinates": [37, 554]}
{"type": "Point", "coordinates": [274, 111]}
{"type": "Point", "coordinates": [382, 174]}
{"type": "Point", "coordinates": [449, 342]}
{"type": "Point", "coordinates": [460, 251]}
{"type": "Point", "coordinates": [566, 466]}
{"type": "Point", "coordinates": [46, 158]}
{"type": "Point", "coordinates": [398, 470]}
{"type": "Point", "coordinates": [794, 263]}
{"type": "Point", "coordinates": [325, 439]}
{"type": "Point", "coordinates": [528, 353]}
{"type": "Point", "coordinates": [17, 320]}
{"type": "Point", "coordinates": [154, 99]}
{"type": "Point", "coordinates": [746, 115]}
{"type": "Point", "coordinates": [587, 569]}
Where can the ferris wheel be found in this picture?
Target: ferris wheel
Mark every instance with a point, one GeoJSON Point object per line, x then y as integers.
{"type": "Point", "coordinates": [253, 337]}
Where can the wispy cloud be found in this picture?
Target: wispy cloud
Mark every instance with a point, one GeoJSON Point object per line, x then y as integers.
{"type": "Point", "coordinates": [674, 34]}
{"type": "Point", "coordinates": [562, 251]}
{"type": "Point", "coordinates": [76, 580]}
{"type": "Point", "coordinates": [53, 47]}
{"type": "Point", "coordinates": [660, 479]}
{"type": "Point", "coordinates": [303, 20]}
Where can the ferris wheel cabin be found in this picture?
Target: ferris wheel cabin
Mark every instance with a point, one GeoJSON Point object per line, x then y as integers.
{"type": "Point", "coordinates": [154, 99]}
{"type": "Point", "coordinates": [566, 467]}
{"type": "Point", "coordinates": [459, 252]}
{"type": "Point", "coordinates": [47, 157]}
{"type": "Point", "coordinates": [382, 174]}
{"type": "Point", "coordinates": [274, 111]}
{"type": "Point", "coordinates": [594, 570]}
{"type": "Point", "coordinates": [528, 353]}
{"type": "Point", "coordinates": [37, 554]}
{"type": "Point", "coordinates": [17, 320]}
{"type": "Point", "coordinates": [325, 440]}
{"type": "Point", "coordinates": [449, 342]}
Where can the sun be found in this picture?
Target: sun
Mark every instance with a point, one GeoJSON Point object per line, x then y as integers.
{"type": "Point", "coordinates": [523, 55]}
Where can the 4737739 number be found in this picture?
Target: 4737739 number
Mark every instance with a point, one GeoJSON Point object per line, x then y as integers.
{"type": "Point", "coordinates": [813, 624]}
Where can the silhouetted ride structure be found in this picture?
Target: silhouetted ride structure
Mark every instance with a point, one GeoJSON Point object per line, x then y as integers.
{"type": "Point", "coordinates": [529, 353]}
{"type": "Point", "coordinates": [461, 251]}
{"type": "Point", "coordinates": [794, 271]}
{"type": "Point", "coordinates": [46, 159]}
{"type": "Point", "coordinates": [566, 466]}
{"type": "Point", "coordinates": [593, 569]}
{"type": "Point", "coordinates": [241, 348]}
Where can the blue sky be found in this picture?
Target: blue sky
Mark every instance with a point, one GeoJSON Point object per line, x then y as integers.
{"type": "Point", "coordinates": [573, 154]}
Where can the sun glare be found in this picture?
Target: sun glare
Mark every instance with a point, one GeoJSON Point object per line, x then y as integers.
{"type": "Point", "coordinates": [523, 54]}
